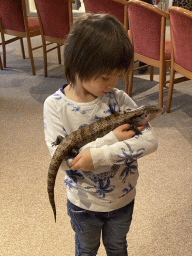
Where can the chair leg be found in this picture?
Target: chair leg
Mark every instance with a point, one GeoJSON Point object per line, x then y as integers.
{"type": "Point", "coordinates": [129, 79]}
{"type": "Point", "coordinates": [1, 65]}
{"type": "Point", "coordinates": [161, 84]}
{"type": "Point", "coordinates": [22, 48]}
{"type": "Point", "coordinates": [130, 83]}
{"type": "Point", "coordinates": [31, 55]}
{"type": "Point", "coordinates": [4, 49]}
{"type": "Point", "coordinates": [44, 56]}
{"type": "Point", "coordinates": [164, 84]}
{"type": "Point", "coordinates": [151, 73]}
{"type": "Point", "coordinates": [59, 53]}
{"type": "Point", "coordinates": [126, 77]}
{"type": "Point", "coordinates": [169, 99]}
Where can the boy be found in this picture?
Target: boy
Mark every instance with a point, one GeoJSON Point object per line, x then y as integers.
{"type": "Point", "coordinates": [101, 182]}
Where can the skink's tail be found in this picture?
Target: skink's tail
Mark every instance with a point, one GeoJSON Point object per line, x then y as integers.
{"type": "Point", "coordinates": [51, 199]}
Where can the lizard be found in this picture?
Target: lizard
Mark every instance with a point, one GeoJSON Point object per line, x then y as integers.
{"type": "Point", "coordinates": [69, 146]}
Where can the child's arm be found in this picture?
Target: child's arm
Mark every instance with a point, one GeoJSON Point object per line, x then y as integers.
{"type": "Point", "coordinates": [117, 153]}
{"type": "Point", "coordinates": [127, 150]}
{"type": "Point", "coordinates": [84, 159]}
{"type": "Point", "coordinates": [116, 150]}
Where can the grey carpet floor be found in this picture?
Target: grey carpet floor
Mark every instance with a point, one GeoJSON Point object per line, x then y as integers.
{"type": "Point", "coordinates": [161, 223]}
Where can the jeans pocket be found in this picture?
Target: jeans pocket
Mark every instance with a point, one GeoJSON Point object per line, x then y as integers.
{"type": "Point", "coordinates": [77, 215]}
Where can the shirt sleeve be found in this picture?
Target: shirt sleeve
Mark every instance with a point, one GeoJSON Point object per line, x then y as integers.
{"type": "Point", "coordinates": [108, 139]}
{"type": "Point", "coordinates": [53, 127]}
{"type": "Point", "coordinates": [127, 150]}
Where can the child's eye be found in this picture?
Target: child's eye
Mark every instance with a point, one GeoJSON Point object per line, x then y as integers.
{"type": "Point", "coordinates": [105, 78]}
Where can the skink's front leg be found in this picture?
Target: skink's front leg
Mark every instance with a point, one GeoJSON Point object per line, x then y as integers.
{"type": "Point", "coordinates": [58, 140]}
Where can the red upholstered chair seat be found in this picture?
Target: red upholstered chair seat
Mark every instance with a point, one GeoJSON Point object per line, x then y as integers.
{"type": "Point", "coordinates": [12, 17]}
{"type": "Point", "coordinates": [11, 14]}
{"type": "Point", "coordinates": [56, 19]}
{"type": "Point", "coordinates": [33, 24]}
{"type": "Point", "coordinates": [14, 21]}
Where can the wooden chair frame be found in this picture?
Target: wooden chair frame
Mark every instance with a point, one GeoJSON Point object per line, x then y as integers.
{"type": "Point", "coordinates": [126, 19]}
{"type": "Point", "coordinates": [19, 36]}
{"type": "Point", "coordinates": [162, 64]}
{"type": "Point", "coordinates": [186, 74]}
{"type": "Point", "coordinates": [52, 40]}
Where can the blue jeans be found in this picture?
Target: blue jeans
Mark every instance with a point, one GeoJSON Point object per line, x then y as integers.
{"type": "Point", "coordinates": [89, 225]}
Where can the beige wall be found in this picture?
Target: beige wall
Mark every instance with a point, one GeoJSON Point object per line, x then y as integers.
{"type": "Point", "coordinates": [165, 4]}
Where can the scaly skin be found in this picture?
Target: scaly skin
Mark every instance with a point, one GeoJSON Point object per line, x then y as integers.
{"type": "Point", "coordinates": [69, 146]}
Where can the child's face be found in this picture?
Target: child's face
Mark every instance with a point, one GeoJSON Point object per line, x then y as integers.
{"type": "Point", "coordinates": [103, 84]}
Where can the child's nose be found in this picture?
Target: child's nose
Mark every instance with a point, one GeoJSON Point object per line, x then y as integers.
{"type": "Point", "coordinates": [111, 85]}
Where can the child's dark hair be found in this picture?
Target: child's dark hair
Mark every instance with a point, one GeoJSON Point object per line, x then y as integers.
{"type": "Point", "coordinates": [96, 44]}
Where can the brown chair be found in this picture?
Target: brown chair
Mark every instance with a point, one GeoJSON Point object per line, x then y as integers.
{"type": "Point", "coordinates": [147, 32]}
{"type": "Point", "coordinates": [181, 41]}
{"type": "Point", "coordinates": [56, 19]}
{"type": "Point", "coordinates": [14, 22]}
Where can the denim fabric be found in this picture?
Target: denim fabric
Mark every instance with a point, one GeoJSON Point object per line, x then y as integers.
{"type": "Point", "coordinates": [89, 226]}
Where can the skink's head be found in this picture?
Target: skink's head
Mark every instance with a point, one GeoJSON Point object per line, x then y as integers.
{"type": "Point", "coordinates": [150, 112]}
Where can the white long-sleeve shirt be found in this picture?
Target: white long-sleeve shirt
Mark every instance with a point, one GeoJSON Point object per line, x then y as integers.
{"type": "Point", "coordinates": [111, 185]}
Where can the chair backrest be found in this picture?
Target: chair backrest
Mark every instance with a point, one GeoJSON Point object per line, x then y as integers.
{"type": "Point", "coordinates": [181, 34]}
{"type": "Point", "coordinates": [54, 15]}
{"type": "Point", "coordinates": [145, 21]}
{"type": "Point", "coordinates": [11, 15]}
{"type": "Point", "coordinates": [105, 6]}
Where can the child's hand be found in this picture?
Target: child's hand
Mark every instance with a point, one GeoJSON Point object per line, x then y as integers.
{"type": "Point", "coordinates": [83, 161]}
{"type": "Point", "coordinates": [123, 132]}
